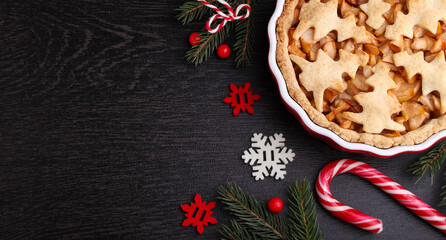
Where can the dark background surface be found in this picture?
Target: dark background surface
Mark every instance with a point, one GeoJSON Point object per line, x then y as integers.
{"type": "Point", "coordinates": [105, 130]}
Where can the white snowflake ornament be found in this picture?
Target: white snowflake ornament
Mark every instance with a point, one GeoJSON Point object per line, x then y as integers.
{"type": "Point", "coordinates": [268, 156]}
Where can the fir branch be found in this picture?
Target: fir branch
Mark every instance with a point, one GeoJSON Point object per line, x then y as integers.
{"type": "Point", "coordinates": [443, 192]}
{"type": "Point", "coordinates": [244, 33]}
{"type": "Point", "coordinates": [431, 161]}
{"type": "Point", "coordinates": [193, 10]}
{"type": "Point", "coordinates": [255, 217]}
{"type": "Point", "coordinates": [237, 232]}
{"type": "Point", "coordinates": [303, 212]}
{"type": "Point", "coordinates": [208, 44]}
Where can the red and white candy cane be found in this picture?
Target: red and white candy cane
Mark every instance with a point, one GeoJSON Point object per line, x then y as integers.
{"type": "Point", "coordinates": [362, 220]}
{"type": "Point", "coordinates": [231, 16]}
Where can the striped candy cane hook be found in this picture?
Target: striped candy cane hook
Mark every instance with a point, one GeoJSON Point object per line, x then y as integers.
{"type": "Point", "coordinates": [362, 220]}
{"type": "Point", "coordinates": [231, 16]}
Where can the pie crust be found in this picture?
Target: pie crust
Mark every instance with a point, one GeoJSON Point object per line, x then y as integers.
{"type": "Point", "coordinates": [284, 24]}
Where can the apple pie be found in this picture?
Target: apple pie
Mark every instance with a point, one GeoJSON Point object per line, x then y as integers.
{"type": "Point", "coordinates": [371, 71]}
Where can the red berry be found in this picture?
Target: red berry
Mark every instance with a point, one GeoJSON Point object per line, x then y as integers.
{"type": "Point", "coordinates": [194, 38]}
{"type": "Point", "coordinates": [275, 205]}
{"type": "Point", "coordinates": [223, 51]}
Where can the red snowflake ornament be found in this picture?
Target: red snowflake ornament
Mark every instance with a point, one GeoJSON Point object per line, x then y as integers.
{"type": "Point", "coordinates": [241, 98]}
{"type": "Point", "coordinates": [203, 208]}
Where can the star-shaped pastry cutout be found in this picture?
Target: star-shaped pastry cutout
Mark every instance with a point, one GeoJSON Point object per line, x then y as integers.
{"type": "Point", "coordinates": [433, 74]}
{"type": "Point", "coordinates": [377, 105]}
{"type": "Point", "coordinates": [423, 13]}
{"type": "Point", "coordinates": [326, 73]}
{"type": "Point", "coordinates": [324, 18]}
{"type": "Point", "coordinates": [375, 10]}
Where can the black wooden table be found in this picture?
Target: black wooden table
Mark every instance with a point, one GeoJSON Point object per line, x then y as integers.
{"type": "Point", "coordinates": [105, 130]}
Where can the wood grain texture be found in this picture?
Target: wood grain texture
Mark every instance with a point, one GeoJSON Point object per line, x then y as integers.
{"type": "Point", "coordinates": [105, 129]}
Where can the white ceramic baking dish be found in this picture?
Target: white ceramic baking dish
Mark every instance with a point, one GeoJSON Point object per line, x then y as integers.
{"type": "Point", "coordinates": [323, 133]}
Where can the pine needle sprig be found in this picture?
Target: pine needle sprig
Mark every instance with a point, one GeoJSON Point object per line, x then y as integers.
{"type": "Point", "coordinates": [209, 42]}
{"type": "Point", "coordinates": [303, 212]}
{"type": "Point", "coordinates": [443, 192]}
{"type": "Point", "coordinates": [255, 217]}
{"type": "Point", "coordinates": [432, 161]}
{"type": "Point", "coordinates": [237, 232]}
{"type": "Point", "coordinates": [193, 10]}
{"type": "Point", "coordinates": [244, 39]}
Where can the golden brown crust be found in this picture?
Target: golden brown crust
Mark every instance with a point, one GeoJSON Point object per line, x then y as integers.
{"type": "Point", "coordinates": [416, 136]}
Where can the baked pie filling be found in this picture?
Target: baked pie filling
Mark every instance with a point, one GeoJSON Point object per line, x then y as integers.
{"type": "Point", "coordinates": [371, 71]}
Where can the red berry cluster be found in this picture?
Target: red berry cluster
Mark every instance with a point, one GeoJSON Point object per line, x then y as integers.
{"type": "Point", "coordinates": [223, 51]}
